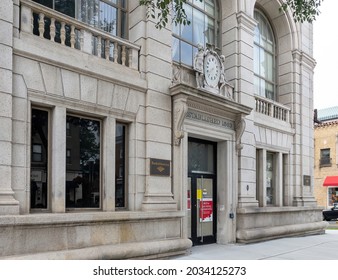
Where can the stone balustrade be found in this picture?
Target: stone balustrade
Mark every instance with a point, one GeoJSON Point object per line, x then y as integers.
{"type": "Point", "coordinates": [272, 109]}
{"type": "Point", "coordinates": [54, 26]}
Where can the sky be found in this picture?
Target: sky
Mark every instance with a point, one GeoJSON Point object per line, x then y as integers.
{"type": "Point", "coordinates": [325, 50]}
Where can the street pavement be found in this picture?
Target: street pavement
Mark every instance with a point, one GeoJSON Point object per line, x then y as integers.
{"type": "Point", "coordinates": [313, 247]}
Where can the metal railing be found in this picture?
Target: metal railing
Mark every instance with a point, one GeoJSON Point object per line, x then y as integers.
{"type": "Point", "coordinates": [67, 31]}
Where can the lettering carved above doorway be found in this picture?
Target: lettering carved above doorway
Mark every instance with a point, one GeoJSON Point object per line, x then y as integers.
{"type": "Point", "coordinates": [210, 72]}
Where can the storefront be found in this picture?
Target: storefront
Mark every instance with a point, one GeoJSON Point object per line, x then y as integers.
{"type": "Point", "coordinates": [331, 182]}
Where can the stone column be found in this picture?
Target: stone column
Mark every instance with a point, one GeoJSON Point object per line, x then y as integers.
{"type": "Point", "coordinates": [8, 204]}
{"type": "Point", "coordinates": [261, 180]}
{"type": "Point", "coordinates": [58, 194]}
{"type": "Point", "coordinates": [108, 197]}
{"type": "Point", "coordinates": [279, 179]}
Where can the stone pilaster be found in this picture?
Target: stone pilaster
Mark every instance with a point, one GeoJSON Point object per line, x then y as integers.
{"type": "Point", "coordinates": [8, 204]}
{"type": "Point", "coordinates": [246, 147]}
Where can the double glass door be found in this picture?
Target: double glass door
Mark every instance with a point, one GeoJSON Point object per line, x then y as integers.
{"type": "Point", "coordinates": [201, 192]}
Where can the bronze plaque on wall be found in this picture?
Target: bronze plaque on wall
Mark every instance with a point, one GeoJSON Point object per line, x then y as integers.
{"type": "Point", "coordinates": [307, 180]}
{"type": "Point", "coordinates": [159, 167]}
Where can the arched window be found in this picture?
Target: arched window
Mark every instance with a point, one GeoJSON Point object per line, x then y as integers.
{"type": "Point", "coordinates": [264, 58]}
{"type": "Point", "coordinates": [203, 29]}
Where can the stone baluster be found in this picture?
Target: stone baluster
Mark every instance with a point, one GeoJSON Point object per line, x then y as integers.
{"type": "Point", "coordinates": [72, 37]}
{"type": "Point", "coordinates": [41, 24]}
{"type": "Point", "coordinates": [116, 53]}
{"type": "Point", "coordinates": [107, 49]}
{"type": "Point", "coordinates": [123, 57]}
{"type": "Point", "coordinates": [52, 29]}
{"type": "Point", "coordinates": [63, 33]}
{"type": "Point", "coordinates": [99, 46]}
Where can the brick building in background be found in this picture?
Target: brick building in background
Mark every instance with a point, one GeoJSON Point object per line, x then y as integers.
{"type": "Point", "coordinates": [326, 157]}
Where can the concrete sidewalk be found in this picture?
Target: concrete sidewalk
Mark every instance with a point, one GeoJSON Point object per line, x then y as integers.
{"type": "Point", "coordinates": [314, 247]}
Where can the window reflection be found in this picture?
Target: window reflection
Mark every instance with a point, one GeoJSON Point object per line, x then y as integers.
{"type": "Point", "coordinates": [201, 157]}
{"type": "Point", "coordinates": [83, 163]}
{"type": "Point", "coordinates": [39, 159]}
{"type": "Point", "coordinates": [120, 145]}
{"type": "Point", "coordinates": [264, 58]}
{"type": "Point", "coordinates": [270, 181]}
{"type": "Point", "coordinates": [202, 30]}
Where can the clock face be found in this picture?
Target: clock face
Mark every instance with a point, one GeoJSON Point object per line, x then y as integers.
{"type": "Point", "coordinates": [212, 70]}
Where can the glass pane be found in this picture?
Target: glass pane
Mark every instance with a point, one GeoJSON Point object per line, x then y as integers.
{"type": "Point", "coordinates": [210, 7]}
{"type": "Point", "coordinates": [269, 67]}
{"type": "Point", "coordinates": [39, 161]}
{"type": "Point", "coordinates": [332, 196]}
{"type": "Point", "coordinates": [210, 31]}
{"type": "Point", "coordinates": [201, 157]}
{"type": "Point", "coordinates": [186, 30]}
{"type": "Point", "coordinates": [124, 30]}
{"type": "Point", "coordinates": [199, 3]}
{"type": "Point", "coordinates": [88, 12]}
{"type": "Point", "coordinates": [199, 28]}
{"type": "Point", "coordinates": [270, 178]}
{"type": "Point", "coordinates": [66, 7]}
{"type": "Point", "coordinates": [47, 3]}
{"type": "Point", "coordinates": [257, 85]}
{"type": "Point", "coordinates": [269, 91]}
{"type": "Point", "coordinates": [120, 143]}
{"type": "Point", "coordinates": [108, 18]}
{"type": "Point", "coordinates": [186, 54]}
{"type": "Point", "coordinates": [176, 50]}
{"type": "Point", "coordinates": [204, 207]}
{"type": "Point", "coordinates": [262, 88]}
{"type": "Point", "coordinates": [256, 59]}
{"type": "Point", "coordinates": [262, 63]}
{"type": "Point", "coordinates": [83, 173]}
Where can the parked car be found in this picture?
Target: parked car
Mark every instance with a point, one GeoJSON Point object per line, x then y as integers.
{"type": "Point", "coordinates": [331, 214]}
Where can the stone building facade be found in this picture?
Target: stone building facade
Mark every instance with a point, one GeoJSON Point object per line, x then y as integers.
{"type": "Point", "coordinates": [118, 141]}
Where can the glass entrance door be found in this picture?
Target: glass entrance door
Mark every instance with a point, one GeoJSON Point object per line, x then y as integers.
{"type": "Point", "coordinates": [201, 192]}
{"type": "Point", "coordinates": [202, 225]}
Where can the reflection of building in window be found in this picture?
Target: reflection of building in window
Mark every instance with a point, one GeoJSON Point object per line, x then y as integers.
{"type": "Point", "coordinates": [37, 152]}
{"type": "Point", "coordinates": [203, 30]}
{"type": "Point", "coordinates": [83, 168]}
{"type": "Point", "coordinates": [264, 57]}
{"type": "Point", "coordinates": [120, 160]}
{"type": "Point", "coordinates": [68, 156]}
{"type": "Point", "coordinates": [270, 178]}
{"type": "Point", "coordinates": [39, 159]}
{"type": "Point", "coordinates": [108, 15]}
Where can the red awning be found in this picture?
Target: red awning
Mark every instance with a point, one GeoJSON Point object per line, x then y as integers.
{"type": "Point", "coordinates": [330, 181]}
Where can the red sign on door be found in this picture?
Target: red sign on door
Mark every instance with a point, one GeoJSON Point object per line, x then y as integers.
{"type": "Point", "coordinates": [206, 210]}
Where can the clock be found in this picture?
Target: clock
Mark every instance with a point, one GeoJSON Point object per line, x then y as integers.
{"type": "Point", "coordinates": [212, 69]}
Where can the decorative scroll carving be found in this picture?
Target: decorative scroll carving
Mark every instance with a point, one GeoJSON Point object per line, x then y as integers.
{"type": "Point", "coordinates": [240, 127]}
{"type": "Point", "coordinates": [180, 111]}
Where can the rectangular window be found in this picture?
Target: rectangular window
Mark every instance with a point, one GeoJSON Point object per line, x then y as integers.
{"type": "Point", "coordinates": [325, 159]}
{"type": "Point", "coordinates": [39, 159]}
{"type": "Point", "coordinates": [37, 153]}
{"type": "Point", "coordinates": [83, 170]}
{"type": "Point", "coordinates": [120, 165]}
{"type": "Point", "coordinates": [332, 196]}
{"type": "Point", "coordinates": [270, 178]}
